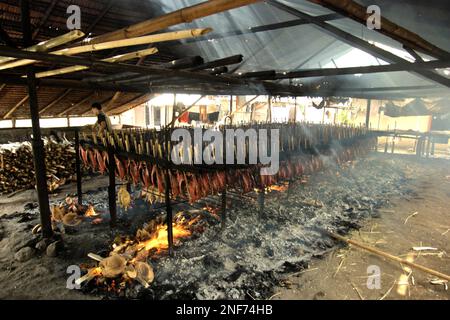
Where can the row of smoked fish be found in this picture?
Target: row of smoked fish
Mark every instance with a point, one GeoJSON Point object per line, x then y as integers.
{"type": "Point", "coordinates": [309, 147]}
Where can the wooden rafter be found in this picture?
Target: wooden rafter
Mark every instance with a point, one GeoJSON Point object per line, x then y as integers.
{"type": "Point", "coordinates": [56, 101]}
{"type": "Point", "coordinates": [324, 72]}
{"type": "Point", "coordinates": [265, 28]}
{"type": "Point", "coordinates": [4, 36]}
{"type": "Point", "coordinates": [135, 102]}
{"type": "Point", "coordinates": [17, 106]}
{"type": "Point", "coordinates": [44, 19]}
{"type": "Point", "coordinates": [118, 94]}
{"type": "Point", "coordinates": [76, 105]}
{"type": "Point", "coordinates": [108, 7]}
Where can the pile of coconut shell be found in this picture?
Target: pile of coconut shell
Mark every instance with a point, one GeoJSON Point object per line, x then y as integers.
{"type": "Point", "coordinates": [17, 167]}
{"type": "Point", "coordinates": [129, 262]}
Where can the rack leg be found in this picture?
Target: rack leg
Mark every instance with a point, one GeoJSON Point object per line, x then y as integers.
{"type": "Point", "coordinates": [169, 213]}
{"type": "Point", "coordinates": [224, 209]}
{"type": "Point", "coordinates": [78, 168]}
{"type": "Point", "coordinates": [261, 201]}
{"type": "Point", "coordinates": [112, 188]}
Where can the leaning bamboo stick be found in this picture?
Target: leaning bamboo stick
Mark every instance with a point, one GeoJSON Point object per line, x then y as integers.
{"type": "Point", "coordinates": [119, 58]}
{"type": "Point", "coordinates": [175, 35]}
{"type": "Point", "coordinates": [50, 44]}
{"type": "Point", "coordinates": [390, 256]}
{"type": "Point", "coordinates": [184, 15]}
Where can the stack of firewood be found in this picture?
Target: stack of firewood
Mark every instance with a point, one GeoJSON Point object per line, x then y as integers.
{"type": "Point", "coordinates": [17, 168]}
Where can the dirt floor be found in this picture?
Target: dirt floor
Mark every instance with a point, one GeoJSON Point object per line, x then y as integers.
{"type": "Point", "coordinates": [417, 217]}
{"type": "Point", "coordinates": [421, 220]}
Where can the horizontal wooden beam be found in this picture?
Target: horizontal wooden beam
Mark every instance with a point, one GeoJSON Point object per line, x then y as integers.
{"type": "Point", "coordinates": [219, 63]}
{"type": "Point", "coordinates": [364, 70]}
{"type": "Point", "coordinates": [155, 38]}
{"type": "Point", "coordinates": [111, 67]}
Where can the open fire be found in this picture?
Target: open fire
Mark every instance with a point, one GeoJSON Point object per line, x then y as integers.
{"type": "Point", "coordinates": [129, 260]}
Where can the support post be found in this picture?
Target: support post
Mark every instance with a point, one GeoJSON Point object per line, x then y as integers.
{"type": "Point", "coordinates": [224, 208]}
{"type": "Point", "coordinates": [78, 167]}
{"type": "Point", "coordinates": [37, 143]}
{"type": "Point", "coordinates": [428, 146]}
{"type": "Point", "coordinates": [261, 202]}
{"type": "Point", "coordinates": [369, 107]}
{"type": "Point", "coordinates": [169, 212]}
{"type": "Point", "coordinates": [112, 187]}
{"type": "Point", "coordinates": [393, 143]}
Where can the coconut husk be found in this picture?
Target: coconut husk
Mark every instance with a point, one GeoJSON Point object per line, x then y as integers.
{"type": "Point", "coordinates": [113, 266]}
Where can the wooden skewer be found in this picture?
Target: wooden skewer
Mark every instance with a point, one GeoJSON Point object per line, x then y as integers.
{"type": "Point", "coordinates": [95, 257]}
{"type": "Point", "coordinates": [119, 58]}
{"type": "Point", "coordinates": [49, 44]}
{"type": "Point", "coordinates": [175, 35]}
{"type": "Point", "coordinates": [389, 256]}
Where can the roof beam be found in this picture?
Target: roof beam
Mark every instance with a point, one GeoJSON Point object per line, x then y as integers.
{"type": "Point", "coordinates": [267, 27]}
{"type": "Point", "coordinates": [135, 102]}
{"type": "Point", "coordinates": [56, 101]}
{"type": "Point", "coordinates": [113, 67]}
{"type": "Point", "coordinates": [364, 70]}
{"type": "Point", "coordinates": [105, 10]}
{"type": "Point", "coordinates": [358, 12]}
{"type": "Point", "coordinates": [44, 19]}
{"type": "Point", "coordinates": [76, 105]}
{"type": "Point", "coordinates": [17, 106]}
{"type": "Point", "coordinates": [4, 36]}
{"type": "Point", "coordinates": [413, 53]}
{"type": "Point", "coordinates": [358, 42]}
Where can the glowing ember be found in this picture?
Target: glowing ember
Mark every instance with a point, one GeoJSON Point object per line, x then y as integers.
{"type": "Point", "coordinates": [97, 221]}
{"type": "Point", "coordinates": [128, 261]}
{"type": "Point", "coordinates": [278, 188]}
{"type": "Point", "coordinates": [90, 212]}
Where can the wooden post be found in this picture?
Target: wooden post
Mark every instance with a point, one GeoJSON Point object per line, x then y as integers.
{"type": "Point", "coordinates": [369, 107]}
{"type": "Point", "coordinates": [78, 167]}
{"type": "Point", "coordinates": [169, 212]}
{"type": "Point", "coordinates": [37, 143]}
{"type": "Point", "coordinates": [112, 187]}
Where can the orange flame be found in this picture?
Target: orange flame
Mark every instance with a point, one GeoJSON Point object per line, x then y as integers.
{"type": "Point", "coordinates": [90, 212]}
{"type": "Point", "coordinates": [159, 240]}
{"type": "Point", "coordinates": [282, 188]}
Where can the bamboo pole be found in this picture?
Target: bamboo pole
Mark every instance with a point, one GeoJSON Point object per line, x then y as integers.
{"type": "Point", "coordinates": [184, 15]}
{"type": "Point", "coordinates": [389, 256]}
{"type": "Point", "coordinates": [119, 58]}
{"type": "Point", "coordinates": [49, 44]}
{"type": "Point", "coordinates": [168, 36]}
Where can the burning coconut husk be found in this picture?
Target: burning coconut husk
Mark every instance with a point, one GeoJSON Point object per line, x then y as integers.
{"type": "Point", "coordinates": [129, 259]}
{"type": "Point", "coordinates": [70, 213]}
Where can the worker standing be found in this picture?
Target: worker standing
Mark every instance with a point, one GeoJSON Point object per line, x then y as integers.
{"type": "Point", "coordinates": [103, 122]}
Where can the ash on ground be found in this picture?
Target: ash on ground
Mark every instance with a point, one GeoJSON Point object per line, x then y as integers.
{"type": "Point", "coordinates": [251, 256]}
